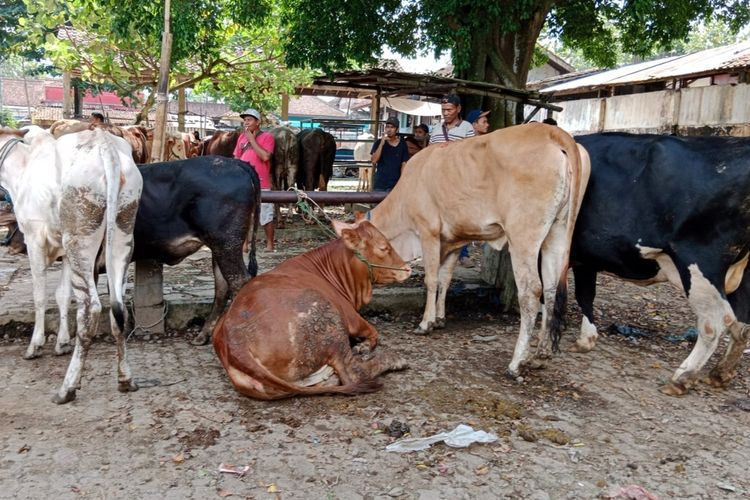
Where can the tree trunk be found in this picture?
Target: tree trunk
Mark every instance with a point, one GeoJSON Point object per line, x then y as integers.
{"type": "Point", "coordinates": [502, 58]}
{"type": "Point", "coordinates": [181, 109]}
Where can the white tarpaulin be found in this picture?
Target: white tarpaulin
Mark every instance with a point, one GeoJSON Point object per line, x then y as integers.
{"type": "Point", "coordinates": [411, 106]}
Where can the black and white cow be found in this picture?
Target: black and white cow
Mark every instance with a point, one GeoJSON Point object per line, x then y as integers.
{"type": "Point", "coordinates": [677, 209]}
{"type": "Point", "coordinates": [72, 197]}
{"type": "Point", "coordinates": [205, 200]}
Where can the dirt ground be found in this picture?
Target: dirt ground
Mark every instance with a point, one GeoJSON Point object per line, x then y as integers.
{"type": "Point", "coordinates": [587, 426]}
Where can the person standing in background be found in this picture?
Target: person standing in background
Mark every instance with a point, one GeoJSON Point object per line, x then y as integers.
{"type": "Point", "coordinates": [389, 155]}
{"type": "Point", "coordinates": [453, 128]}
{"type": "Point", "coordinates": [478, 120]}
{"type": "Point", "coordinates": [422, 134]}
{"type": "Point", "coordinates": [255, 147]}
{"type": "Point", "coordinates": [96, 119]}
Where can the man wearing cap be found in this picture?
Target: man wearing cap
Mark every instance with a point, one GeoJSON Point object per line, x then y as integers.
{"type": "Point", "coordinates": [389, 155]}
{"type": "Point", "coordinates": [453, 127]}
{"type": "Point", "coordinates": [256, 147]}
{"type": "Point", "coordinates": [478, 120]}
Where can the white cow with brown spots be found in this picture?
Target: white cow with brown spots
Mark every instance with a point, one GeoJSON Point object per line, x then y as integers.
{"type": "Point", "coordinates": [73, 197]}
{"type": "Point", "coordinates": [520, 186]}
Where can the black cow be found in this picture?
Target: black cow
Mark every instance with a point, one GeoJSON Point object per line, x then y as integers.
{"type": "Point", "coordinates": [317, 151]}
{"type": "Point", "coordinates": [205, 200]}
{"type": "Point", "coordinates": [677, 209]}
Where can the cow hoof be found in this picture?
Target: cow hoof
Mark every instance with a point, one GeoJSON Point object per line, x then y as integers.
{"type": "Point", "coordinates": [536, 364]}
{"type": "Point", "coordinates": [543, 352]}
{"type": "Point", "coordinates": [421, 331]}
{"type": "Point", "coordinates": [127, 386]}
{"type": "Point", "coordinates": [66, 398]}
{"type": "Point", "coordinates": [200, 339]}
{"type": "Point", "coordinates": [439, 323]}
{"type": "Point", "coordinates": [511, 375]}
{"type": "Point", "coordinates": [63, 349]}
{"type": "Point", "coordinates": [719, 379]}
{"type": "Point", "coordinates": [32, 352]}
{"type": "Point", "coordinates": [362, 349]}
{"type": "Point", "coordinates": [674, 389]}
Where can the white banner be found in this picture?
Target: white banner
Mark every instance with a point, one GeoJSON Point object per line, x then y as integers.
{"type": "Point", "coordinates": [411, 106]}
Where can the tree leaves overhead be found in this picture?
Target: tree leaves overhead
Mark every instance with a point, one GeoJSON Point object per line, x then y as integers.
{"type": "Point", "coordinates": [339, 34]}
{"type": "Point", "coordinates": [13, 32]}
{"type": "Point", "coordinates": [602, 29]}
{"type": "Point", "coordinates": [216, 45]}
{"type": "Point", "coordinates": [333, 34]}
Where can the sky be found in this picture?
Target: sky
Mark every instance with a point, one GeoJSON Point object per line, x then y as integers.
{"type": "Point", "coordinates": [420, 64]}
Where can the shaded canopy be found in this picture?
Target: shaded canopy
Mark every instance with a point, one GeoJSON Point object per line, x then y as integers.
{"type": "Point", "coordinates": [382, 83]}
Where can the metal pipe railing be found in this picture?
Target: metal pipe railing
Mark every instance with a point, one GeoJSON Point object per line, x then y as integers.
{"type": "Point", "coordinates": [329, 197]}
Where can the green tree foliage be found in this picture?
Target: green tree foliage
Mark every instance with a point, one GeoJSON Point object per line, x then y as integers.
{"type": "Point", "coordinates": [703, 35]}
{"type": "Point", "coordinates": [221, 46]}
{"type": "Point", "coordinates": [492, 41]}
{"type": "Point", "coordinates": [7, 120]}
{"type": "Point", "coordinates": [13, 36]}
{"type": "Point", "coordinates": [612, 29]}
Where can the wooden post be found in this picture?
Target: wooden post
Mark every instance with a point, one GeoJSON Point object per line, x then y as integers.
{"type": "Point", "coordinates": [148, 297]}
{"type": "Point", "coordinates": [67, 96]}
{"type": "Point", "coordinates": [375, 114]}
{"type": "Point", "coordinates": [285, 107]}
{"type": "Point", "coordinates": [181, 109]}
{"type": "Point", "coordinates": [162, 96]}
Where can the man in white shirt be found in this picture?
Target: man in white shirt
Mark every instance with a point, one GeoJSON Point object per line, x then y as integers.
{"type": "Point", "coordinates": [453, 127]}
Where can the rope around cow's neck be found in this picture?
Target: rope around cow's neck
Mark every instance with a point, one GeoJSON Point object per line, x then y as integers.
{"type": "Point", "coordinates": [6, 149]}
{"type": "Point", "coordinates": [304, 206]}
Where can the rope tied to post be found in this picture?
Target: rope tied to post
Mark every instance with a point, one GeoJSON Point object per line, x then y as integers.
{"type": "Point", "coordinates": [303, 203]}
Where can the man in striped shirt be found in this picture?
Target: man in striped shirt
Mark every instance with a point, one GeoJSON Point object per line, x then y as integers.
{"type": "Point", "coordinates": [453, 127]}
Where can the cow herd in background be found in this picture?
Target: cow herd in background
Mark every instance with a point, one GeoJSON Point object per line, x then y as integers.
{"type": "Point", "coordinates": [304, 158]}
{"type": "Point", "coordinates": [656, 209]}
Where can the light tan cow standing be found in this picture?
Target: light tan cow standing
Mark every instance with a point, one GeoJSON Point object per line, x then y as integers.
{"type": "Point", "coordinates": [522, 186]}
{"type": "Point", "coordinates": [362, 154]}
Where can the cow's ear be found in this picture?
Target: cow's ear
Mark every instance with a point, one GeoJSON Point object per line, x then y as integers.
{"type": "Point", "coordinates": [348, 234]}
{"type": "Point", "coordinates": [351, 238]}
{"type": "Point", "coordinates": [339, 226]}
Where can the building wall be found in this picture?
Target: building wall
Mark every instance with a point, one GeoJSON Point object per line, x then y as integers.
{"type": "Point", "coordinates": [714, 110]}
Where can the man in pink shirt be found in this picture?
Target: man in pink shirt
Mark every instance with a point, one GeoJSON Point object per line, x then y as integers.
{"type": "Point", "coordinates": [256, 147]}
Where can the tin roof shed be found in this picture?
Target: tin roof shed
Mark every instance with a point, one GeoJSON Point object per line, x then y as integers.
{"type": "Point", "coordinates": [720, 60]}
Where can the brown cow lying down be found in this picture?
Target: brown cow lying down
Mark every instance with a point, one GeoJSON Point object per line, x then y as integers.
{"type": "Point", "coordinates": [288, 329]}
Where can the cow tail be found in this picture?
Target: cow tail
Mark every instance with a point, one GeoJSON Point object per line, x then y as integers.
{"type": "Point", "coordinates": [557, 323]}
{"type": "Point", "coordinates": [579, 170]}
{"type": "Point", "coordinates": [252, 262]}
{"type": "Point", "coordinates": [112, 176]}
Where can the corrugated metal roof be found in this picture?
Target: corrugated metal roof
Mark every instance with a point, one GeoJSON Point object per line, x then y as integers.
{"type": "Point", "coordinates": [705, 62]}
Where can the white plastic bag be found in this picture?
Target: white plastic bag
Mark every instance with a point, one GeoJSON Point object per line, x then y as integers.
{"type": "Point", "coordinates": [460, 437]}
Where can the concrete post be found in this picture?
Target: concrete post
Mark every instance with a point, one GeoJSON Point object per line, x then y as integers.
{"type": "Point", "coordinates": [148, 296]}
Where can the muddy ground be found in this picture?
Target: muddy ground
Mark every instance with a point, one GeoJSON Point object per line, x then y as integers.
{"type": "Point", "coordinates": [587, 426]}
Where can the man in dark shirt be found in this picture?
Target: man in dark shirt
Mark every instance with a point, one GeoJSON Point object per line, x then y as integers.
{"type": "Point", "coordinates": [389, 155]}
